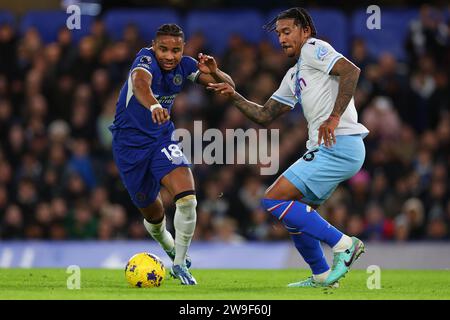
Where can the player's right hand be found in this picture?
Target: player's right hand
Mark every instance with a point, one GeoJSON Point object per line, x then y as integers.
{"type": "Point", "coordinates": [160, 115]}
{"type": "Point", "coordinates": [326, 131]}
{"type": "Point", "coordinates": [222, 88]}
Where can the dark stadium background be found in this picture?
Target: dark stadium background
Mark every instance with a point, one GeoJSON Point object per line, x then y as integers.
{"type": "Point", "coordinates": [58, 92]}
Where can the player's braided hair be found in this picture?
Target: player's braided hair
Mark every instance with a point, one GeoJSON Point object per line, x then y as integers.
{"type": "Point", "coordinates": [301, 18]}
{"type": "Point", "coordinates": [170, 29]}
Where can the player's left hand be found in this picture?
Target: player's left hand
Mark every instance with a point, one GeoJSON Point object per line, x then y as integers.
{"type": "Point", "coordinates": [326, 131]}
{"type": "Point", "coordinates": [206, 64]}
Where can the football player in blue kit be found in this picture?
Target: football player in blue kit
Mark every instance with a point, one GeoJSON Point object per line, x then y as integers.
{"type": "Point", "coordinates": [144, 149]}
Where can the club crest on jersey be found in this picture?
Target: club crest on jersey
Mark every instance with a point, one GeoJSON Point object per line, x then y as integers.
{"type": "Point", "coordinates": [321, 52]}
{"type": "Point", "coordinates": [146, 59]}
{"type": "Point", "coordinates": [177, 80]}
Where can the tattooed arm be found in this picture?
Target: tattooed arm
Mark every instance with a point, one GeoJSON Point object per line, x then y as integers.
{"type": "Point", "coordinates": [262, 115]}
{"type": "Point", "coordinates": [348, 78]}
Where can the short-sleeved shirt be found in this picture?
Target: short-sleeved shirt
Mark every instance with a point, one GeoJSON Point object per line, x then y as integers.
{"type": "Point", "coordinates": [310, 85]}
{"type": "Point", "coordinates": [131, 114]}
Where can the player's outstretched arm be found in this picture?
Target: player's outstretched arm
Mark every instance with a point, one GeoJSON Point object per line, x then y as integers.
{"type": "Point", "coordinates": [348, 78]}
{"type": "Point", "coordinates": [141, 81]}
{"type": "Point", "coordinates": [209, 72]}
{"type": "Point", "coordinates": [262, 115]}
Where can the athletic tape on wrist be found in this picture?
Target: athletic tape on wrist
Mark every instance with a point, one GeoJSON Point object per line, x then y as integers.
{"type": "Point", "coordinates": [154, 106]}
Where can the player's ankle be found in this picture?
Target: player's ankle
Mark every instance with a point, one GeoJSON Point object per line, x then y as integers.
{"type": "Point", "coordinates": [180, 260]}
{"type": "Point", "coordinates": [321, 277]}
{"type": "Point", "coordinates": [343, 244]}
{"type": "Point", "coordinates": [170, 250]}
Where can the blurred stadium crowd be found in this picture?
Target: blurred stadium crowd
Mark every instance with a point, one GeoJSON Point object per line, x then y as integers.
{"type": "Point", "coordinates": [58, 179]}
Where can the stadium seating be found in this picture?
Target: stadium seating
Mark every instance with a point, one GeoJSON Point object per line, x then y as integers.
{"type": "Point", "coordinates": [49, 22]}
{"type": "Point", "coordinates": [147, 21]}
{"type": "Point", "coordinates": [391, 36]}
{"type": "Point", "coordinates": [332, 25]}
{"type": "Point", "coordinates": [218, 26]}
{"type": "Point", "coordinates": [6, 17]}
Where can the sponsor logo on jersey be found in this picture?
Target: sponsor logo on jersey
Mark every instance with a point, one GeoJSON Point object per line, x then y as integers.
{"type": "Point", "coordinates": [144, 65]}
{"type": "Point", "coordinates": [165, 99]}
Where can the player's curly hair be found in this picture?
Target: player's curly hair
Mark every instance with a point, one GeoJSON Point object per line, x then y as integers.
{"type": "Point", "coordinates": [301, 18]}
{"type": "Point", "coordinates": [170, 29]}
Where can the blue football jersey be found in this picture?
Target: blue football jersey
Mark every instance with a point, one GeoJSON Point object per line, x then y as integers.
{"type": "Point", "coordinates": [131, 114]}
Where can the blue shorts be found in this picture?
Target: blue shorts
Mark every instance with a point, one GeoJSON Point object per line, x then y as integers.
{"type": "Point", "coordinates": [141, 168]}
{"type": "Point", "coordinates": [318, 172]}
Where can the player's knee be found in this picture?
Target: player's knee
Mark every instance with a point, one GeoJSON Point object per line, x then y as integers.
{"type": "Point", "coordinates": [186, 201]}
{"type": "Point", "coordinates": [276, 193]}
{"type": "Point", "coordinates": [268, 194]}
{"type": "Point", "coordinates": [264, 203]}
{"type": "Point", "coordinates": [270, 204]}
{"type": "Point", "coordinates": [153, 213]}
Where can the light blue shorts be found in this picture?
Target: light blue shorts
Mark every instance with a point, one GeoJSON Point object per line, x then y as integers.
{"type": "Point", "coordinates": [318, 172]}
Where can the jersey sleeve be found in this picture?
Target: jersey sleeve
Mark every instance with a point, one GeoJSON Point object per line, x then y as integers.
{"type": "Point", "coordinates": [284, 93]}
{"type": "Point", "coordinates": [191, 68]}
{"type": "Point", "coordinates": [144, 62]}
{"type": "Point", "coordinates": [320, 55]}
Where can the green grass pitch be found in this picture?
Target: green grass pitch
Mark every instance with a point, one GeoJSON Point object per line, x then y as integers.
{"type": "Point", "coordinates": [222, 285]}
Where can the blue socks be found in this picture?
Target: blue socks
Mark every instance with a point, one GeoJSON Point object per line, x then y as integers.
{"type": "Point", "coordinates": [311, 251]}
{"type": "Point", "coordinates": [305, 219]}
{"type": "Point", "coordinates": [307, 228]}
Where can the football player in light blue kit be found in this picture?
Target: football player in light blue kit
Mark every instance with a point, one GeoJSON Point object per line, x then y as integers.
{"type": "Point", "coordinates": [144, 149]}
{"type": "Point", "coordinates": [323, 83]}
